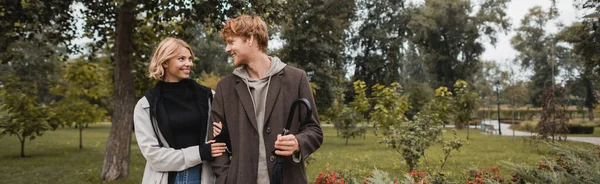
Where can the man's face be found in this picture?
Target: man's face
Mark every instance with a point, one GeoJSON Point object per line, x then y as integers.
{"type": "Point", "coordinates": [239, 49]}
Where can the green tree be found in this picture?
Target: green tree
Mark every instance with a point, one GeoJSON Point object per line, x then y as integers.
{"type": "Point", "coordinates": [347, 117]}
{"type": "Point", "coordinates": [539, 50]}
{"type": "Point", "coordinates": [359, 105]}
{"type": "Point", "coordinates": [465, 102]}
{"type": "Point", "coordinates": [390, 106]}
{"type": "Point", "coordinates": [585, 46]}
{"type": "Point", "coordinates": [314, 34]}
{"type": "Point", "coordinates": [450, 36]}
{"type": "Point", "coordinates": [518, 94]}
{"type": "Point", "coordinates": [22, 115]}
{"type": "Point", "coordinates": [377, 41]}
{"type": "Point", "coordinates": [83, 82]}
{"type": "Point", "coordinates": [419, 94]}
{"type": "Point", "coordinates": [29, 20]}
{"type": "Point", "coordinates": [413, 137]}
{"type": "Point", "coordinates": [37, 61]}
{"type": "Point", "coordinates": [210, 55]}
{"type": "Point", "coordinates": [412, 68]}
{"type": "Point", "coordinates": [441, 105]}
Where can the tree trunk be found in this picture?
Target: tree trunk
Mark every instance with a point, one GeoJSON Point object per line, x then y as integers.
{"type": "Point", "coordinates": [468, 127]}
{"type": "Point", "coordinates": [22, 140]}
{"type": "Point", "coordinates": [591, 113]}
{"type": "Point", "coordinates": [80, 137]}
{"type": "Point", "coordinates": [116, 159]}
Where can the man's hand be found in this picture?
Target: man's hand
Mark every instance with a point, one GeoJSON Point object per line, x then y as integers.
{"type": "Point", "coordinates": [286, 145]}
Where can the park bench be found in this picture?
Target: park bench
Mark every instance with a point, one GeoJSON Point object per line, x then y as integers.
{"type": "Point", "coordinates": [490, 129]}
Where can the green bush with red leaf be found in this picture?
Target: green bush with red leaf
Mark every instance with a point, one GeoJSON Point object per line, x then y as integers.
{"type": "Point", "coordinates": [485, 176]}
{"type": "Point", "coordinates": [329, 177]}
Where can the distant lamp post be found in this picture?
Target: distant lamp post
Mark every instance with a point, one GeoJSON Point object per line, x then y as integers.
{"type": "Point", "coordinates": [498, 102]}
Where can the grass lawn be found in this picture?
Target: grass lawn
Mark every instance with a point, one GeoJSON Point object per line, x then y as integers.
{"type": "Point", "coordinates": [56, 158]}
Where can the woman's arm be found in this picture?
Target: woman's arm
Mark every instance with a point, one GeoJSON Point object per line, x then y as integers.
{"type": "Point", "coordinates": [161, 158]}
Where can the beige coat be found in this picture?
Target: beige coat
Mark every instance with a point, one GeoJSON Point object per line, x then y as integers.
{"type": "Point", "coordinates": [161, 160]}
{"type": "Point", "coordinates": [232, 105]}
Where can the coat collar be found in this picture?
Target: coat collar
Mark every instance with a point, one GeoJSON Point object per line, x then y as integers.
{"type": "Point", "coordinates": [241, 89]}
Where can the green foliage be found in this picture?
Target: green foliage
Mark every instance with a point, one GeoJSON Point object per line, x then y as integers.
{"type": "Point", "coordinates": [413, 137]}
{"type": "Point", "coordinates": [390, 107]}
{"type": "Point", "coordinates": [585, 46]}
{"type": "Point", "coordinates": [449, 34]}
{"type": "Point", "coordinates": [209, 80]}
{"type": "Point", "coordinates": [465, 103]}
{"type": "Point", "coordinates": [517, 93]}
{"type": "Point", "coordinates": [379, 176]}
{"type": "Point", "coordinates": [314, 33]}
{"type": "Point", "coordinates": [360, 103]}
{"type": "Point", "coordinates": [26, 20]}
{"type": "Point", "coordinates": [553, 121]}
{"type": "Point", "coordinates": [22, 115]}
{"type": "Point", "coordinates": [539, 50]}
{"type": "Point", "coordinates": [377, 39]}
{"type": "Point", "coordinates": [209, 54]}
{"type": "Point", "coordinates": [441, 105]}
{"type": "Point", "coordinates": [569, 165]}
{"type": "Point", "coordinates": [347, 117]}
{"type": "Point", "coordinates": [36, 61]}
{"type": "Point", "coordinates": [419, 94]}
{"type": "Point", "coordinates": [83, 83]}
{"type": "Point", "coordinates": [448, 146]}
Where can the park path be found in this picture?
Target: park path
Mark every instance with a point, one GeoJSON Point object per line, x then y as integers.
{"type": "Point", "coordinates": [508, 132]}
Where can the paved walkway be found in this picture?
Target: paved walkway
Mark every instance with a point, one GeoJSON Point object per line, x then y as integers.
{"type": "Point", "coordinates": [508, 132]}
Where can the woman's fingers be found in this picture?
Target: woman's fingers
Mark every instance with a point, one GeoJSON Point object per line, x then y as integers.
{"type": "Point", "coordinates": [218, 148]}
{"type": "Point", "coordinates": [217, 126]}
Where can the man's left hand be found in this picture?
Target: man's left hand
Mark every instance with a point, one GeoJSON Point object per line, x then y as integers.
{"type": "Point", "coordinates": [286, 145]}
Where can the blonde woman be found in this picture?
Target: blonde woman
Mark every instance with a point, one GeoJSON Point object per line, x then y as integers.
{"type": "Point", "coordinates": [172, 119]}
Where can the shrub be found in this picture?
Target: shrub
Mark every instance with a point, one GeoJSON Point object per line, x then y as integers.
{"type": "Point", "coordinates": [569, 165]}
{"type": "Point", "coordinates": [476, 176]}
{"type": "Point", "coordinates": [329, 177]}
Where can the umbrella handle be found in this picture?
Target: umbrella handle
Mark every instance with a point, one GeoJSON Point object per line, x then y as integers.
{"type": "Point", "coordinates": [297, 102]}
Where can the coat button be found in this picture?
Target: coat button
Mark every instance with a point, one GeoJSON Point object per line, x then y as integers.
{"type": "Point", "coordinates": [272, 158]}
{"type": "Point", "coordinates": [268, 129]}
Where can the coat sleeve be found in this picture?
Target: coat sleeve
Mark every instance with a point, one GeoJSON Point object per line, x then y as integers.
{"type": "Point", "coordinates": [159, 158]}
{"type": "Point", "coordinates": [310, 135]}
{"type": "Point", "coordinates": [220, 165]}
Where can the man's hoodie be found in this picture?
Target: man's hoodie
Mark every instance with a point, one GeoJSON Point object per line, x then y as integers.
{"type": "Point", "coordinates": [258, 89]}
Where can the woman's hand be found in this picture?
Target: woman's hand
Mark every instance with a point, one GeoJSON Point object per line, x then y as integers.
{"type": "Point", "coordinates": [217, 148]}
{"type": "Point", "coordinates": [217, 126]}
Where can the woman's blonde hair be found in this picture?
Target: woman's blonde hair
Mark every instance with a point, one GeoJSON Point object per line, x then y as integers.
{"type": "Point", "coordinates": [164, 51]}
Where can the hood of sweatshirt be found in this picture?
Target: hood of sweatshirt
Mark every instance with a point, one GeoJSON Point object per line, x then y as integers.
{"type": "Point", "coordinates": [276, 67]}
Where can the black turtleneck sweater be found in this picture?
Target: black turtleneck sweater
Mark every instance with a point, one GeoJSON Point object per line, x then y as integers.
{"type": "Point", "coordinates": [185, 118]}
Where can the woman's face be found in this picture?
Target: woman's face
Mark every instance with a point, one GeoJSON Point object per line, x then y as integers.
{"type": "Point", "coordinates": [178, 67]}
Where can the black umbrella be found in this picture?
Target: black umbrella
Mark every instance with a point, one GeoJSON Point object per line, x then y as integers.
{"type": "Point", "coordinates": [277, 174]}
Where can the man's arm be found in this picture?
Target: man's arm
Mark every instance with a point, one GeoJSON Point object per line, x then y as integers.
{"type": "Point", "coordinates": [220, 165]}
{"type": "Point", "coordinates": [310, 136]}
